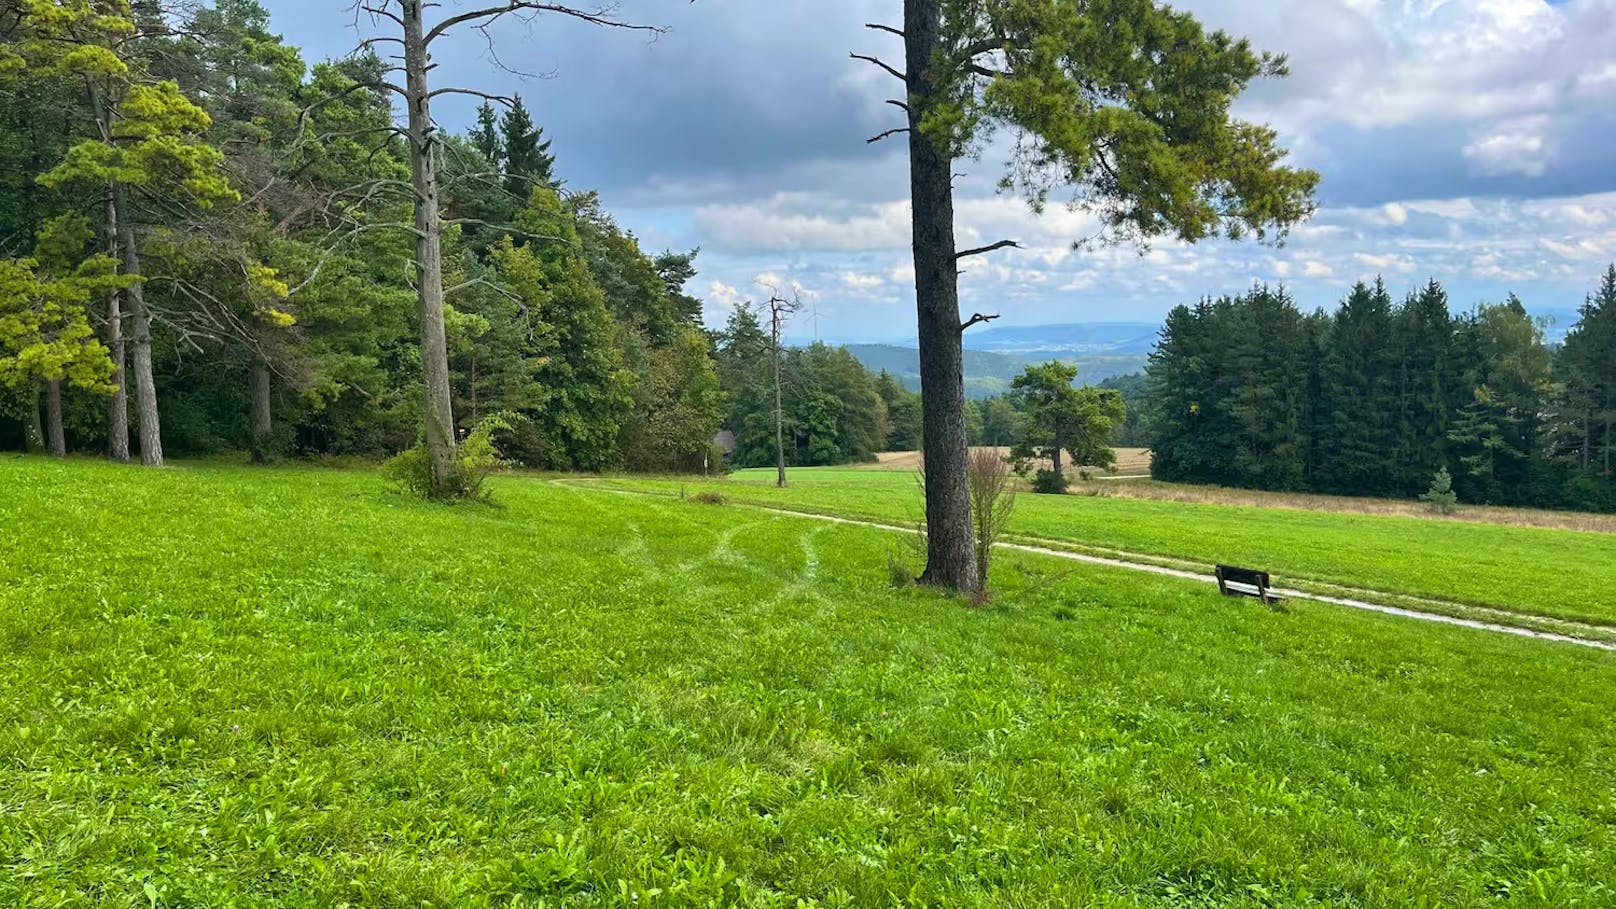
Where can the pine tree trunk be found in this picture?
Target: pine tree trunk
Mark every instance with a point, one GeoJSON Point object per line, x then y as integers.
{"type": "Point", "coordinates": [950, 541]}
{"type": "Point", "coordinates": [55, 435]}
{"type": "Point", "coordinates": [140, 337]}
{"type": "Point", "coordinates": [258, 380]}
{"type": "Point", "coordinates": [1057, 461]}
{"type": "Point", "coordinates": [118, 403]}
{"type": "Point", "coordinates": [33, 430]}
{"type": "Point", "coordinates": [428, 249]}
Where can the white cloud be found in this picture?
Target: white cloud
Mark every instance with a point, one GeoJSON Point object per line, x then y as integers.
{"type": "Point", "coordinates": [1312, 269]}
{"type": "Point", "coordinates": [724, 295]}
{"type": "Point", "coordinates": [1395, 214]}
{"type": "Point", "coordinates": [795, 222]}
{"type": "Point", "coordinates": [1391, 262]}
{"type": "Point", "coordinates": [1513, 148]}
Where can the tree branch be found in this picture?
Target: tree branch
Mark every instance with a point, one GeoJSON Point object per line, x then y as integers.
{"type": "Point", "coordinates": [514, 6]}
{"type": "Point", "coordinates": [483, 282]}
{"type": "Point", "coordinates": [884, 28]}
{"type": "Point", "coordinates": [478, 222]}
{"type": "Point", "coordinates": [886, 135]}
{"type": "Point", "coordinates": [1002, 244]}
{"type": "Point", "coordinates": [331, 250]}
{"type": "Point", "coordinates": [898, 104]}
{"type": "Point", "coordinates": [502, 99]}
{"type": "Point", "coordinates": [977, 319]}
{"type": "Point", "coordinates": [895, 73]}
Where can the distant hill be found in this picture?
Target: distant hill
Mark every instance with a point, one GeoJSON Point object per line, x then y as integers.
{"type": "Point", "coordinates": [1100, 350]}
{"type": "Point", "coordinates": [1065, 342]}
{"type": "Point", "coordinates": [989, 373]}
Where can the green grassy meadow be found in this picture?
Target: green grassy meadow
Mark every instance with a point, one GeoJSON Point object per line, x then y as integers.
{"type": "Point", "coordinates": [233, 687]}
{"type": "Point", "coordinates": [1555, 573]}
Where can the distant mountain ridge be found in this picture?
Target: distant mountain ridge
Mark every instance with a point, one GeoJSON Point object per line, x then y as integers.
{"type": "Point", "coordinates": [993, 358]}
{"type": "Point", "coordinates": [1069, 339]}
{"type": "Point", "coordinates": [1100, 350]}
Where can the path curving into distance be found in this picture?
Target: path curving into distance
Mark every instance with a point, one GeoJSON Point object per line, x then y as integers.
{"type": "Point", "coordinates": [1198, 577]}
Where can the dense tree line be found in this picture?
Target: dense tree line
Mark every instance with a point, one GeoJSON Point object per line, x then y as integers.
{"type": "Point", "coordinates": [1377, 397]}
{"type": "Point", "coordinates": [834, 410]}
{"type": "Point", "coordinates": [189, 211]}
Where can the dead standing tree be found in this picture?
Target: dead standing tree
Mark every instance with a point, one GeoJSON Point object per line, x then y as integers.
{"type": "Point", "coordinates": [415, 37]}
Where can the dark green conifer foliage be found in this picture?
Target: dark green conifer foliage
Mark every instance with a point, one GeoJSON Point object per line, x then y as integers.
{"type": "Point", "coordinates": [527, 159]}
{"type": "Point", "coordinates": [1358, 408]}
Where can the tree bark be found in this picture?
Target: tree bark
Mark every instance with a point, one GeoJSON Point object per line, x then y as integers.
{"type": "Point", "coordinates": [55, 435]}
{"type": "Point", "coordinates": [33, 430]}
{"type": "Point", "coordinates": [950, 539]}
{"type": "Point", "coordinates": [140, 338]}
{"type": "Point", "coordinates": [428, 249]}
{"type": "Point", "coordinates": [118, 403]}
{"type": "Point", "coordinates": [258, 380]}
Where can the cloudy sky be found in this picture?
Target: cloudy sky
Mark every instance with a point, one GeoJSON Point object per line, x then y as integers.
{"type": "Point", "coordinates": [1469, 140]}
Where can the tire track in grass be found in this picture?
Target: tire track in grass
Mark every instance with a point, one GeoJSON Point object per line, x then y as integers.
{"type": "Point", "coordinates": [1202, 578]}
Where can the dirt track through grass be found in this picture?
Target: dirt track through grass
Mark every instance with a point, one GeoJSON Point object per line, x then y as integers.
{"type": "Point", "coordinates": [1441, 612]}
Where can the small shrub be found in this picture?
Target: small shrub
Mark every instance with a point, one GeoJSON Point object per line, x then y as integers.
{"type": "Point", "coordinates": [473, 461]}
{"type": "Point", "coordinates": [993, 502]}
{"type": "Point", "coordinates": [710, 498]}
{"type": "Point", "coordinates": [1050, 482]}
{"type": "Point", "coordinates": [1440, 498]}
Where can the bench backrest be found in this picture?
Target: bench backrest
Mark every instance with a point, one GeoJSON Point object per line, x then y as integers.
{"type": "Point", "coordinates": [1257, 579]}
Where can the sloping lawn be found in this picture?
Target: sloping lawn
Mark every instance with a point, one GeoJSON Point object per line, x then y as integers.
{"type": "Point", "coordinates": [1557, 573]}
{"type": "Point", "coordinates": [229, 687]}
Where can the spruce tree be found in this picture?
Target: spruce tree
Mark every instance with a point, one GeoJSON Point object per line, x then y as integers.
{"type": "Point", "coordinates": [1426, 385]}
{"type": "Point", "coordinates": [528, 162]}
{"type": "Point", "coordinates": [1358, 423]}
{"type": "Point", "coordinates": [485, 135]}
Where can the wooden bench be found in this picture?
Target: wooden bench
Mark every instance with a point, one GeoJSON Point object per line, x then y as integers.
{"type": "Point", "coordinates": [1246, 582]}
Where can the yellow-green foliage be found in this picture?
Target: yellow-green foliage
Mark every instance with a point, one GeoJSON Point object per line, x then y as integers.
{"type": "Point", "coordinates": [45, 333]}
{"type": "Point", "coordinates": [155, 128]}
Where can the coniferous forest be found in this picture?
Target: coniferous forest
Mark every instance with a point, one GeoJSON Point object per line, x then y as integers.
{"type": "Point", "coordinates": [208, 247]}
{"type": "Point", "coordinates": [1377, 397]}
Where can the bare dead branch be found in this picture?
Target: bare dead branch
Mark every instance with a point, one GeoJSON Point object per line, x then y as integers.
{"type": "Point", "coordinates": [884, 28]}
{"type": "Point", "coordinates": [478, 222]}
{"type": "Point", "coordinates": [1002, 244]}
{"type": "Point", "coordinates": [332, 248]}
{"type": "Point", "coordinates": [878, 62]}
{"type": "Point", "coordinates": [491, 13]}
{"type": "Point", "coordinates": [886, 135]}
{"type": "Point", "coordinates": [483, 282]}
{"type": "Point", "coordinates": [506, 100]}
{"type": "Point", "coordinates": [977, 319]}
